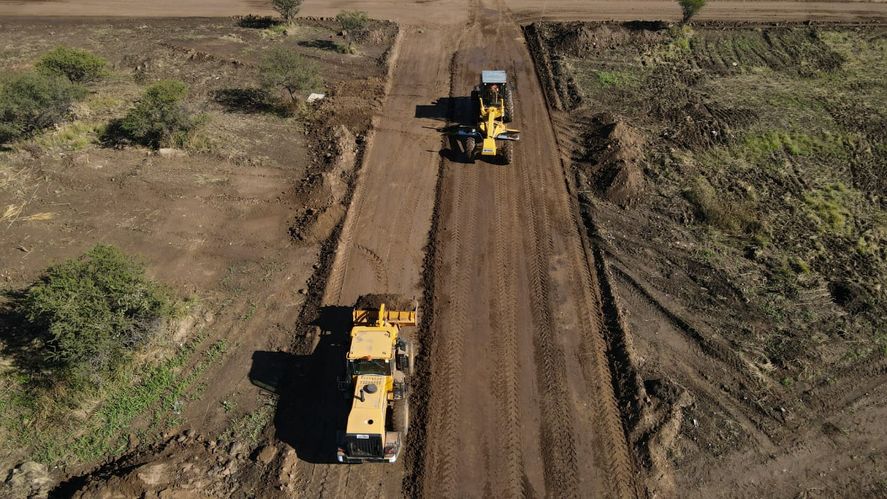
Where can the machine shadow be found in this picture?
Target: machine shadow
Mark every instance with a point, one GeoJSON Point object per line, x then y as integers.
{"type": "Point", "coordinates": [456, 111]}
{"type": "Point", "coordinates": [310, 409]}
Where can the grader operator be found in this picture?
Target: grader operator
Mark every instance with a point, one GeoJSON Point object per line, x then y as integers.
{"type": "Point", "coordinates": [378, 364]}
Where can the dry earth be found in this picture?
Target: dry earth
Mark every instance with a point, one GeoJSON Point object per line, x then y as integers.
{"type": "Point", "coordinates": [526, 383]}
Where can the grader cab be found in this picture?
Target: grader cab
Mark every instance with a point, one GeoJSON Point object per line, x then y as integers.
{"type": "Point", "coordinates": [378, 364]}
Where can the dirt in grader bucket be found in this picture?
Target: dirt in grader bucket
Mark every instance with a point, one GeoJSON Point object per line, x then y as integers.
{"type": "Point", "coordinates": [391, 301]}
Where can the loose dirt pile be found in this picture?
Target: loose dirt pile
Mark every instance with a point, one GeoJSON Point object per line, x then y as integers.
{"type": "Point", "coordinates": [610, 160]}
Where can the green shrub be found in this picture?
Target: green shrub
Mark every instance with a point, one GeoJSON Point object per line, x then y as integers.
{"type": "Point", "coordinates": [287, 8]}
{"type": "Point", "coordinates": [79, 66]}
{"type": "Point", "coordinates": [30, 102]}
{"type": "Point", "coordinates": [282, 68]}
{"type": "Point", "coordinates": [159, 116]}
{"type": "Point", "coordinates": [355, 24]}
{"type": "Point", "coordinates": [690, 8]}
{"type": "Point", "coordinates": [92, 313]}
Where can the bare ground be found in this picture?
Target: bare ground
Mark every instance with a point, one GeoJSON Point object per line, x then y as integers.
{"type": "Point", "coordinates": [528, 381]}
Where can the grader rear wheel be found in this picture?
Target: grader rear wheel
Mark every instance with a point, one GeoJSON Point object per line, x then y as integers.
{"type": "Point", "coordinates": [400, 417]}
{"type": "Point", "coordinates": [508, 102]}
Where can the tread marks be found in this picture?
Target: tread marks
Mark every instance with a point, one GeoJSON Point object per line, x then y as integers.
{"type": "Point", "coordinates": [378, 265]}
{"type": "Point", "coordinates": [558, 449]}
{"type": "Point", "coordinates": [450, 352]}
{"type": "Point", "coordinates": [506, 336]}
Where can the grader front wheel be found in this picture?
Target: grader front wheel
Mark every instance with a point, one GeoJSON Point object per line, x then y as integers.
{"type": "Point", "coordinates": [470, 148]}
{"type": "Point", "coordinates": [506, 154]}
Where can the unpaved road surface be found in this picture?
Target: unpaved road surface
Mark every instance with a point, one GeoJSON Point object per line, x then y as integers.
{"type": "Point", "coordinates": [446, 11]}
{"type": "Point", "coordinates": [521, 402]}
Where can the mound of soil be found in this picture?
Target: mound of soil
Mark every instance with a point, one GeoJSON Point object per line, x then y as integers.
{"type": "Point", "coordinates": [611, 158]}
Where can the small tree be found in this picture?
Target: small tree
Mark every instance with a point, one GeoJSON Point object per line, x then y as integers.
{"type": "Point", "coordinates": [159, 115]}
{"type": "Point", "coordinates": [32, 101]}
{"type": "Point", "coordinates": [282, 68]}
{"type": "Point", "coordinates": [287, 9]}
{"type": "Point", "coordinates": [354, 24]}
{"type": "Point", "coordinates": [77, 65]}
{"type": "Point", "coordinates": [94, 311]}
{"type": "Point", "coordinates": [690, 8]}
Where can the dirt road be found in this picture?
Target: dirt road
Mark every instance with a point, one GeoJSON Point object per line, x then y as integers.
{"type": "Point", "coordinates": [519, 392]}
{"type": "Point", "coordinates": [443, 12]}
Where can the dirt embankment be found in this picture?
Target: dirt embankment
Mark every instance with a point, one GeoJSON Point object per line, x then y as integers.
{"type": "Point", "coordinates": [757, 212]}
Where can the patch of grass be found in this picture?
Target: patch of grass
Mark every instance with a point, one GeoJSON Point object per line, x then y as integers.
{"type": "Point", "coordinates": [248, 428]}
{"type": "Point", "coordinates": [275, 30]}
{"type": "Point", "coordinates": [829, 208]}
{"type": "Point", "coordinates": [73, 136]}
{"type": "Point", "coordinates": [757, 147]}
{"type": "Point", "coordinates": [714, 208]}
{"type": "Point", "coordinates": [250, 311]}
{"type": "Point", "coordinates": [615, 78]}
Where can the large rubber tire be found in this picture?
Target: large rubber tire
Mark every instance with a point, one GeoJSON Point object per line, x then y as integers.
{"type": "Point", "coordinates": [400, 417]}
{"type": "Point", "coordinates": [506, 153]}
{"type": "Point", "coordinates": [475, 107]}
{"type": "Point", "coordinates": [470, 149]}
{"type": "Point", "coordinates": [411, 356]}
{"type": "Point", "coordinates": [508, 101]}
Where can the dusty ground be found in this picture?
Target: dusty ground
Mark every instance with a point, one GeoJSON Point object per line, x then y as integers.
{"type": "Point", "coordinates": [275, 182]}
{"type": "Point", "coordinates": [533, 349]}
{"type": "Point", "coordinates": [757, 321]}
{"type": "Point", "coordinates": [442, 12]}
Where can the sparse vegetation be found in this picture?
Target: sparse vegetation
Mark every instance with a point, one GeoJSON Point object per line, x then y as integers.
{"type": "Point", "coordinates": [773, 140]}
{"type": "Point", "coordinates": [159, 117]}
{"type": "Point", "coordinates": [354, 24]}
{"type": "Point", "coordinates": [33, 101]}
{"type": "Point", "coordinates": [79, 66]}
{"type": "Point", "coordinates": [284, 69]}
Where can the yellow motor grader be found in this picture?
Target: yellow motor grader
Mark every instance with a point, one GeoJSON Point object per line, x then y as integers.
{"type": "Point", "coordinates": [493, 107]}
{"type": "Point", "coordinates": [378, 364]}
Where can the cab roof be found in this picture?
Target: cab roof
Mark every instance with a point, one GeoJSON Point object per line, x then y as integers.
{"type": "Point", "coordinates": [492, 76]}
{"type": "Point", "coordinates": [371, 343]}
{"type": "Point", "coordinates": [368, 409]}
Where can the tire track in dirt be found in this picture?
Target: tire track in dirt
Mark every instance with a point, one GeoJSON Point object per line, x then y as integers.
{"type": "Point", "coordinates": [448, 351]}
{"type": "Point", "coordinates": [505, 336]}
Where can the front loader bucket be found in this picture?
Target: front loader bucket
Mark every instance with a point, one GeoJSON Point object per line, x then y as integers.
{"type": "Point", "coordinates": [398, 309]}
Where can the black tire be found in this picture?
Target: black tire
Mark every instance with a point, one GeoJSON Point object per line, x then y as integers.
{"type": "Point", "coordinates": [508, 102]}
{"type": "Point", "coordinates": [400, 417]}
{"type": "Point", "coordinates": [411, 359]}
{"type": "Point", "coordinates": [475, 106]}
{"type": "Point", "coordinates": [470, 148]}
{"type": "Point", "coordinates": [506, 154]}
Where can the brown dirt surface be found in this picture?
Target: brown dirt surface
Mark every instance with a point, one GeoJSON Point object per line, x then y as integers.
{"type": "Point", "coordinates": [752, 308]}
{"type": "Point", "coordinates": [551, 361]}
{"type": "Point", "coordinates": [214, 220]}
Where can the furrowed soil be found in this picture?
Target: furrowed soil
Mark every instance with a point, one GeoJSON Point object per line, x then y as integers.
{"type": "Point", "coordinates": [568, 344]}
{"type": "Point", "coordinates": [732, 177]}
{"type": "Point", "coordinates": [235, 221]}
